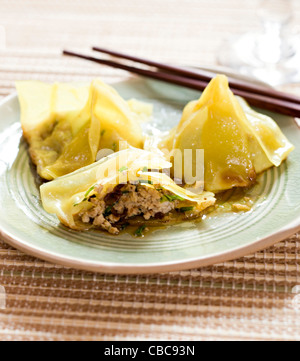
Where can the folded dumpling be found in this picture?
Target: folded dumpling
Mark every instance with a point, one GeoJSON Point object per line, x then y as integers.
{"type": "Point", "coordinates": [117, 190]}
{"type": "Point", "coordinates": [66, 125]}
{"type": "Point", "coordinates": [238, 142]}
{"type": "Point", "coordinates": [268, 144]}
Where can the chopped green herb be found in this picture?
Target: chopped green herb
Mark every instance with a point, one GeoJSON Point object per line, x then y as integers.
{"type": "Point", "coordinates": [145, 182]}
{"type": "Point", "coordinates": [171, 198]}
{"type": "Point", "coordinates": [125, 192]}
{"type": "Point", "coordinates": [123, 169]}
{"type": "Point", "coordinates": [164, 199]}
{"type": "Point", "coordinates": [114, 147]}
{"type": "Point", "coordinates": [139, 231]}
{"type": "Point", "coordinates": [186, 209]}
{"type": "Point", "coordinates": [86, 196]}
{"type": "Point", "coordinates": [103, 132]}
{"type": "Point", "coordinates": [145, 169]}
{"type": "Point", "coordinates": [107, 211]}
{"type": "Point", "coordinates": [89, 191]}
{"type": "Point", "coordinates": [176, 197]}
{"type": "Point", "coordinates": [124, 226]}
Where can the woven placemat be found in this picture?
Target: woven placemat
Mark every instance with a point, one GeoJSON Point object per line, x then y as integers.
{"type": "Point", "coordinates": [255, 297]}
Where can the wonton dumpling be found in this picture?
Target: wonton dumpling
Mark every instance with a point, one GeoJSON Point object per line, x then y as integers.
{"type": "Point", "coordinates": [238, 143]}
{"type": "Point", "coordinates": [117, 189]}
{"type": "Point", "coordinates": [65, 125]}
{"type": "Point", "coordinates": [119, 122]}
{"type": "Point", "coordinates": [270, 147]}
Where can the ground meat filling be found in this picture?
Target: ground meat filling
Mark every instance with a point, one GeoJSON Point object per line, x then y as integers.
{"type": "Point", "coordinates": [124, 202]}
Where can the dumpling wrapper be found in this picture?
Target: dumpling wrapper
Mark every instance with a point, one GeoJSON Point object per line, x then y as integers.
{"type": "Point", "coordinates": [270, 146]}
{"type": "Point", "coordinates": [67, 196]}
{"type": "Point", "coordinates": [66, 125]}
{"type": "Point", "coordinates": [238, 142]}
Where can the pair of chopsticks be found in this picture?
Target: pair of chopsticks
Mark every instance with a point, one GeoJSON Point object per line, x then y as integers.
{"type": "Point", "coordinates": [256, 95]}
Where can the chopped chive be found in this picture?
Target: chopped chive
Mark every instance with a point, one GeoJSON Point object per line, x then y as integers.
{"type": "Point", "coordinates": [89, 191]}
{"type": "Point", "coordinates": [124, 226]}
{"type": "Point", "coordinates": [171, 198]}
{"type": "Point", "coordinates": [114, 147]}
{"type": "Point", "coordinates": [178, 198]}
{"type": "Point", "coordinates": [103, 132]}
{"type": "Point", "coordinates": [107, 211]}
{"type": "Point", "coordinates": [86, 196]}
{"type": "Point", "coordinates": [145, 169]}
{"type": "Point", "coordinates": [125, 192]}
{"type": "Point", "coordinates": [186, 209]}
{"type": "Point", "coordinates": [174, 197]}
{"type": "Point", "coordinates": [164, 199]}
{"type": "Point", "coordinates": [145, 182]}
{"type": "Point", "coordinates": [123, 169]}
{"type": "Point", "coordinates": [139, 231]}
{"type": "Point", "coordinates": [84, 200]}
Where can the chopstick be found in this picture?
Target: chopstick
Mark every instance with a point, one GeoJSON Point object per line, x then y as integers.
{"type": "Point", "coordinates": [203, 75]}
{"type": "Point", "coordinates": [261, 101]}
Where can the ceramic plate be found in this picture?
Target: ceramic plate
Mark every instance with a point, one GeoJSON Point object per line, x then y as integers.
{"type": "Point", "coordinates": [26, 226]}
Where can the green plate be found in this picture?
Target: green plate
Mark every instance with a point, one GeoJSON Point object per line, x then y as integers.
{"type": "Point", "coordinates": [26, 226]}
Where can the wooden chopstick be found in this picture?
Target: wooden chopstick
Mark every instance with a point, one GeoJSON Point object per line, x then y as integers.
{"type": "Point", "coordinates": [261, 101]}
{"type": "Point", "coordinates": [203, 75]}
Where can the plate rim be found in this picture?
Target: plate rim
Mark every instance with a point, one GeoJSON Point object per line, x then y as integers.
{"type": "Point", "coordinates": [151, 268]}
{"type": "Point", "coordinates": [154, 268]}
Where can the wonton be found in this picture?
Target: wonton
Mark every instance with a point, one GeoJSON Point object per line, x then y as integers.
{"type": "Point", "coordinates": [118, 189]}
{"type": "Point", "coordinates": [66, 125]}
{"type": "Point", "coordinates": [238, 142]}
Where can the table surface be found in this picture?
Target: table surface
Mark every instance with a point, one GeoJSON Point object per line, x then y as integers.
{"type": "Point", "coordinates": [254, 297]}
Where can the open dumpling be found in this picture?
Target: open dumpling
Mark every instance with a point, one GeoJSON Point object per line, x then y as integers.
{"type": "Point", "coordinates": [119, 189]}
{"type": "Point", "coordinates": [238, 143]}
{"type": "Point", "coordinates": [66, 125]}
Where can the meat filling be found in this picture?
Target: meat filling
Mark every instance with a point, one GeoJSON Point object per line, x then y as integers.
{"type": "Point", "coordinates": [127, 201]}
